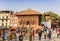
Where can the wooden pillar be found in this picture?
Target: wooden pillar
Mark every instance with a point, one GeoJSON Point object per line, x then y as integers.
{"type": "Point", "coordinates": [40, 19]}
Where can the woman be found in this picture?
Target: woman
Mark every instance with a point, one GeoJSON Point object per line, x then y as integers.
{"type": "Point", "coordinates": [20, 36]}
{"type": "Point", "coordinates": [33, 34]}
{"type": "Point", "coordinates": [12, 35]}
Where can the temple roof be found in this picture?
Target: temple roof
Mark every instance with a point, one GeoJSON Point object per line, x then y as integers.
{"type": "Point", "coordinates": [28, 12]}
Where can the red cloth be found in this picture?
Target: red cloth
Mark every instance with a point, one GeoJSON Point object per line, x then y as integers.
{"type": "Point", "coordinates": [33, 32]}
{"type": "Point", "coordinates": [59, 30]}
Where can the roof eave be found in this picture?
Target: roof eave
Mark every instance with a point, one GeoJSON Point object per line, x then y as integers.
{"type": "Point", "coordinates": [27, 14]}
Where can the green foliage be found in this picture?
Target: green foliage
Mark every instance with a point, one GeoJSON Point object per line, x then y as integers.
{"type": "Point", "coordinates": [58, 18]}
{"type": "Point", "coordinates": [51, 14]}
{"type": "Point", "coordinates": [43, 17]}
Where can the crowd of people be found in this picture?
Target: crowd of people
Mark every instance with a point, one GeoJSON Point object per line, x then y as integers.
{"type": "Point", "coordinates": [12, 34]}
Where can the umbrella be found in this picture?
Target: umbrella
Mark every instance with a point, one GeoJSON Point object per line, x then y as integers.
{"type": "Point", "coordinates": [12, 29]}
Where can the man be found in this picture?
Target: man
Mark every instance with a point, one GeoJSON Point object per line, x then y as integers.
{"type": "Point", "coordinates": [49, 33]}
{"type": "Point", "coordinates": [40, 32]}
{"type": "Point", "coordinates": [30, 36]}
{"type": "Point", "coordinates": [45, 31]}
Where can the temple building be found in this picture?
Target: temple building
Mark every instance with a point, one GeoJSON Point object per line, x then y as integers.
{"type": "Point", "coordinates": [5, 18]}
{"type": "Point", "coordinates": [29, 18]}
{"type": "Point", "coordinates": [13, 21]}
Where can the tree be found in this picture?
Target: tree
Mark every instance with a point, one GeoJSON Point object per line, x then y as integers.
{"type": "Point", "coordinates": [58, 18]}
{"type": "Point", "coordinates": [51, 14]}
{"type": "Point", "coordinates": [43, 17]}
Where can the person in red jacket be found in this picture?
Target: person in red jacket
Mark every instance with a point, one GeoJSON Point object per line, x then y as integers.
{"type": "Point", "coordinates": [30, 36]}
{"type": "Point", "coordinates": [33, 34]}
{"type": "Point", "coordinates": [58, 32]}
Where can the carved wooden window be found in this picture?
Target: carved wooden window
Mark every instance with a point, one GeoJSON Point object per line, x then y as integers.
{"type": "Point", "coordinates": [27, 22]}
{"type": "Point", "coordinates": [20, 22]}
{"type": "Point", "coordinates": [33, 22]}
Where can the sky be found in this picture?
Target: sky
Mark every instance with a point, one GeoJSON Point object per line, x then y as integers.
{"type": "Point", "coordinates": [38, 5]}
